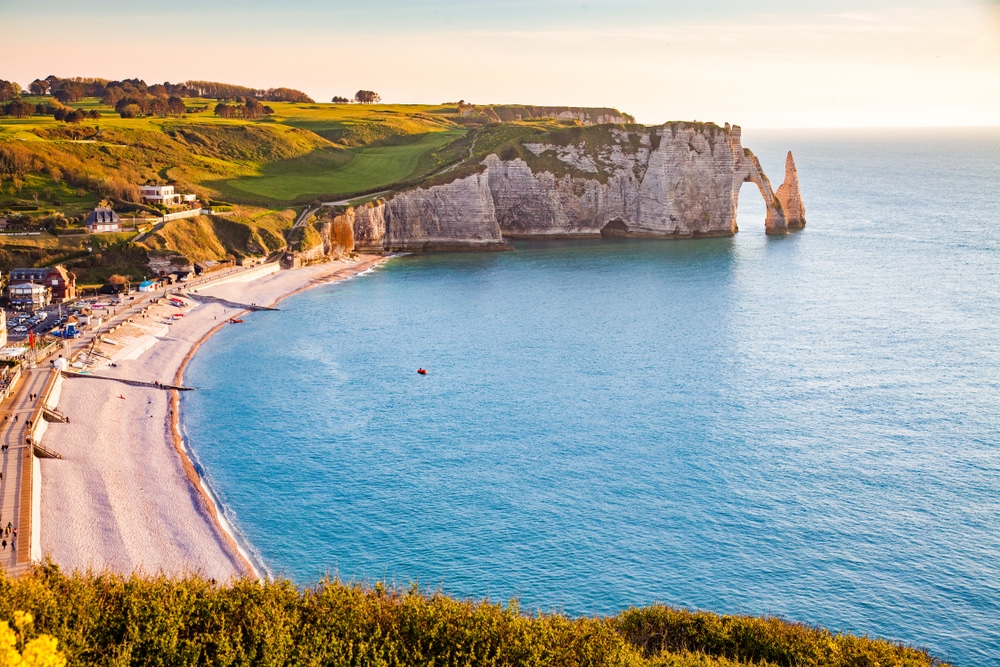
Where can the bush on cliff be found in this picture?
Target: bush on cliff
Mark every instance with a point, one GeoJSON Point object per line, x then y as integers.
{"type": "Point", "coordinates": [103, 619]}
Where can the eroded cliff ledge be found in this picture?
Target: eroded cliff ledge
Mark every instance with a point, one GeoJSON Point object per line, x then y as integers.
{"type": "Point", "coordinates": [678, 180]}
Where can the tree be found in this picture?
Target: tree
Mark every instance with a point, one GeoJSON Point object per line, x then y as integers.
{"type": "Point", "coordinates": [9, 90]}
{"type": "Point", "coordinates": [285, 95]}
{"type": "Point", "coordinates": [225, 110]}
{"type": "Point", "coordinates": [176, 105]}
{"type": "Point", "coordinates": [157, 107]}
{"type": "Point", "coordinates": [253, 109]}
{"type": "Point", "coordinates": [38, 87]}
{"type": "Point", "coordinates": [130, 111]}
{"type": "Point", "coordinates": [70, 91]}
{"type": "Point", "coordinates": [19, 109]}
{"type": "Point", "coordinates": [16, 161]}
{"type": "Point", "coordinates": [337, 99]}
{"type": "Point", "coordinates": [367, 97]}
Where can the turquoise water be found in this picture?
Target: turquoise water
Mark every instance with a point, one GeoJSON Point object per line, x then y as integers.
{"type": "Point", "coordinates": [805, 426]}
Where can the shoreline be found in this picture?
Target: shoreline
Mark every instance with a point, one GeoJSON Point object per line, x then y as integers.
{"type": "Point", "coordinates": [194, 477]}
{"type": "Point", "coordinates": [116, 501]}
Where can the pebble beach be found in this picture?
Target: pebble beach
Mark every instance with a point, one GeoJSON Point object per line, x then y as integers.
{"type": "Point", "coordinates": [125, 497]}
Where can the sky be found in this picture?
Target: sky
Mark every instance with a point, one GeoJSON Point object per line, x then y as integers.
{"type": "Point", "coordinates": [784, 63]}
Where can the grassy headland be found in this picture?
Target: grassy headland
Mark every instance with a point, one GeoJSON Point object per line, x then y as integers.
{"type": "Point", "coordinates": [53, 172]}
{"type": "Point", "coordinates": [105, 619]}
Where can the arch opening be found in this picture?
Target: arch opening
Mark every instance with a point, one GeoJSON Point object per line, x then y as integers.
{"type": "Point", "coordinates": [614, 228]}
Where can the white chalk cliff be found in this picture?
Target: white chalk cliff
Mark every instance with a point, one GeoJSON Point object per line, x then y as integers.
{"type": "Point", "coordinates": [678, 180]}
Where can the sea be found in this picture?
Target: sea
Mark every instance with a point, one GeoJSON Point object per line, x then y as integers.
{"type": "Point", "coordinates": [804, 426]}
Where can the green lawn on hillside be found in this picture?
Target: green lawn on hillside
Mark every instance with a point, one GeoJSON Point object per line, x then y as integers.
{"type": "Point", "coordinates": [338, 172]}
{"type": "Point", "coordinates": [354, 148]}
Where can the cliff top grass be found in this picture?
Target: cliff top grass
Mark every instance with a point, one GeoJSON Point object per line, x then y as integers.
{"type": "Point", "coordinates": [107, 619]}
{"type": "Point", "coordinates": [300, 153]}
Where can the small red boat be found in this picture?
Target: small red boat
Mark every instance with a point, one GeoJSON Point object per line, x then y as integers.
{"type": "Point", "coordinates": [422, 371]}
{"type": "Point", "coordinates": [234, 320]}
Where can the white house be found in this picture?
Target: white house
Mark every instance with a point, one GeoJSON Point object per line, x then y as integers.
{"type": "Point", "coordinates": [102, 220]}
{"type": "Point", "coordinates": [165, 194]}
{"type": "Point", "coordinates": [149, 286]}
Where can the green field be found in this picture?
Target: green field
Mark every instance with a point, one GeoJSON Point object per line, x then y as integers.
{"type": "Point", "coordinates": [301, 153]}
{"type": "Point", "coordinates": [340, 172]}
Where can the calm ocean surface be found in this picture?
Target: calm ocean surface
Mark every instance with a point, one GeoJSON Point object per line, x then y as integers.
{"type": "Point", "coordinates": [805, 426]}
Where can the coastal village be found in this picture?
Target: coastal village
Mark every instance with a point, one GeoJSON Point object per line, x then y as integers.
{"type": "Point", "coordinates": [52, 329]}
{"type": "Point", "coordinates": [106, 348]}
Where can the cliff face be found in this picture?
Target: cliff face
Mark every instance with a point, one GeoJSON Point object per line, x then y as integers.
{"type": "Point", "coordinates": [678, 180]}
{"type": "Point", "coordinates": [444, 217]}
{"type": "Point", "coordinates": [368, 223]}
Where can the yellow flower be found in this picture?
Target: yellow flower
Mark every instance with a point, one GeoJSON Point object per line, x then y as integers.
{"type": "Point", "coordinates": [39, 652]}
{"type": "Point", "coordinates": [8, 640]}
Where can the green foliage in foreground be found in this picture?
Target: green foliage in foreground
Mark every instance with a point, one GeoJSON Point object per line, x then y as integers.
{"type": "Point", "coordinates": [107, 619]}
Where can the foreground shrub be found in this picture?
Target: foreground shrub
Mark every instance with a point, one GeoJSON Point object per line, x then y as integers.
{"type": "Point", "coordinates": [106, 619]}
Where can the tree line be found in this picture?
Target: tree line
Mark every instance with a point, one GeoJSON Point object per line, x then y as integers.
{"type": "Point", "coordinates": [249, 109]}
{"type": "Point", "coordinates": [18, 108]}
{"type": "Point", "coordinates": [361, 97]}
{"type": "Point", "coordinates": [74, 89]}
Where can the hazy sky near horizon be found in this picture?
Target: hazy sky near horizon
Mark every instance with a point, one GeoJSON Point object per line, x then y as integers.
{"type": "Point", "coordinates": [781, 63]}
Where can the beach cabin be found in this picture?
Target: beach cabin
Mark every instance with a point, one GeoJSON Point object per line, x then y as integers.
{"type": "Point", "coordinates": [150, 286]}
{"type": "Point", "coordinates": [103, 220]}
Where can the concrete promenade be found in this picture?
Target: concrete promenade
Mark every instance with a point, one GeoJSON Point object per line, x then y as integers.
{"type": "Point", "coordinates": [17, 464]}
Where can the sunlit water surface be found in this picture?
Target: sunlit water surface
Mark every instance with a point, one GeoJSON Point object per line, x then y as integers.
{"type": "Point", "coordinates": [804, 426]}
